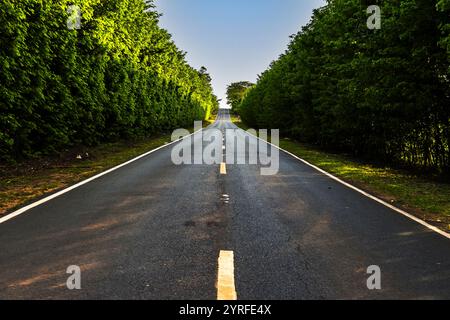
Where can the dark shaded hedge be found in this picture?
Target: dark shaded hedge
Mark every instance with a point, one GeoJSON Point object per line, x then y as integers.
{"type": "Point", "coordinates": [382, 94]}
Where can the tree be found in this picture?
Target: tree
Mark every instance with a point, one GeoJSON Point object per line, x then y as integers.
{"type": "Point", "coordinates": [236, 93]}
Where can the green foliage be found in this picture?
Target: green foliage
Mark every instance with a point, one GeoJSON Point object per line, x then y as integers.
{"type": "Point", "coordinates": [236, 93]}
{"type": "Point", "coordinates": [444, 7]}
{"type": "Point", "coordinates": [382, 94]}
{"type": "Point", "coordinates": [118, 76]}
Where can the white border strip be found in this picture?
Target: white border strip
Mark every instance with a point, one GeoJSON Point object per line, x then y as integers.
{"type": "Point", "coordinates": [368, 195]}
{"type": "Point", "coordinates": [53, 196]}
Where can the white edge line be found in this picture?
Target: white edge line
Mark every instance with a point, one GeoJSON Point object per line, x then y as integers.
{"type": "Point", "coordinates": [368, 195]}
{"type": "Point", "coordinates": [57, 194]}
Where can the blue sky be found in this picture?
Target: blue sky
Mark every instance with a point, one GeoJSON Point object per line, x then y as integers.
{"type": "Point", "coordinates": [235, 39]}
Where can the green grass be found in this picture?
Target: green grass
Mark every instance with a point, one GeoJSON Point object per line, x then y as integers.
{"type": "Point", "coordinates": [423, 197]}
{"type": "Point", "coordinates": [235, 119]}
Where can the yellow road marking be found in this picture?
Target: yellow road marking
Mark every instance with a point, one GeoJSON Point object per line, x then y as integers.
{"type": "Point", "coordinates": [223, 168]}
{"type": "Point", "coordinates": [226, 290]}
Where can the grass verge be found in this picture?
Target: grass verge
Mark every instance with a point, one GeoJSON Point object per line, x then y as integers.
{"type": "Point", "coordinates": [421, 196]}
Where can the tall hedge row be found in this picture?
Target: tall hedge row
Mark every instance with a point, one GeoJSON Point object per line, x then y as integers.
{"type": "Point", "coordinates": [118, 76]}
{"type": "Point", "coordinates": [382, 94]}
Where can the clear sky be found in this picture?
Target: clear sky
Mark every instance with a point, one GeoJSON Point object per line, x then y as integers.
{"type": "Point", "coordinates": [235, 39]}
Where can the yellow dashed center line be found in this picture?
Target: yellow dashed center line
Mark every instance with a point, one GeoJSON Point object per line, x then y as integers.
{"type": "Point", "coordinates": [226, 290]}
{"type": "Point", "coordinates": [223, 168]}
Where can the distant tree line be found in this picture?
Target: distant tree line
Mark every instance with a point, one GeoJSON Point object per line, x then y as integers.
{"type": "Point", "coordinates": [236, 93]}
{"type": "Point", "coordinates": [118, 76]}
{"type": "Point", "coordinates": [382, 94]}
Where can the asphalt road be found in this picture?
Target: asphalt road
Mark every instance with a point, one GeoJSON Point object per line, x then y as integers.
{"type": "Point", "coordinates": [154, 230]}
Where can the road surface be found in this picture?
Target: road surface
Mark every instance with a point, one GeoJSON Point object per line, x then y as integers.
{"type": "Point", "coordinates": [154, 230]}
